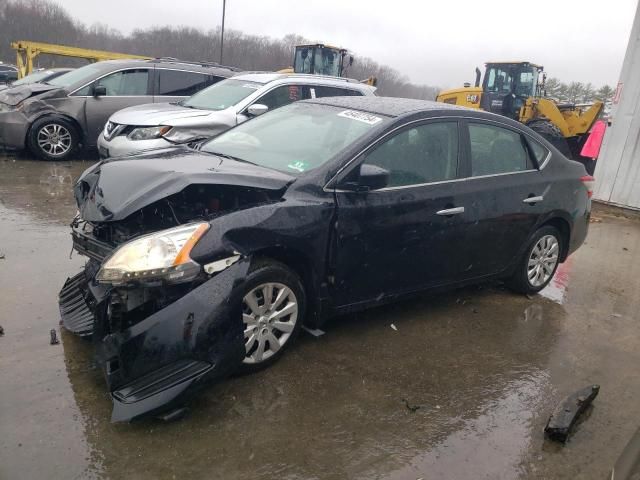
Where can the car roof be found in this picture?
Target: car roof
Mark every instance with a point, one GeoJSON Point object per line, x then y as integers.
{"type": "Point", "coordinates": [267, 77]}
{"type": "Point", "coordinates": [398, 107]}
{"type": "Point", "coordinates": [388, 106]}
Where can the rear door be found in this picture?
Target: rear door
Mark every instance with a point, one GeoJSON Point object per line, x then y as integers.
{"type": "Point", "coordinates": [172, 85]}
{"type": "Point", "coordinates": [403, 237]}
{"type": "Point", "coordinates": [124, 88]}
{"type": "Point", "coordinates": [504, 195]}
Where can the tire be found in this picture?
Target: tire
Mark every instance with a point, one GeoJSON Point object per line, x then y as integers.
{"type": "Point", "coordinates": [276, 334]}
{"type": "Point", "coordinates": [521, 281]}
{"type": "Point", "coordinates": [53, 138]}
{"type": "Point", "coordinates": [552, 134]}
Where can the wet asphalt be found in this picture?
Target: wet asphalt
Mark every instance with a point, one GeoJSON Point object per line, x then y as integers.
{"type": "Point", "coordinates": [480, 368]}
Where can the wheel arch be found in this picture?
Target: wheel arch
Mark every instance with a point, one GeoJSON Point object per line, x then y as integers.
{"type": "Point", "coordinates": [58, 115]}
{"type": "Point", "coordinates": [564, 227]}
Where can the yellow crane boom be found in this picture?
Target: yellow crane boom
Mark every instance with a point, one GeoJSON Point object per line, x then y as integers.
{"type": "Point", "coordinates": [27, 51]}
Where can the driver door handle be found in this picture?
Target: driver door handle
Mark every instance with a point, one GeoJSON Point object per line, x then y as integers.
{"type": "Point", "coordinates": [451, 211]}
{"type": "Point", "coordinates": [533, 199]}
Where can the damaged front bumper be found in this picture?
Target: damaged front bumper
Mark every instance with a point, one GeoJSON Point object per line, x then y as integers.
{"type": "Point", "coordinates": [153, 361]}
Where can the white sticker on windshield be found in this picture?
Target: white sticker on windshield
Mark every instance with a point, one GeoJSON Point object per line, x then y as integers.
{"type": "Point", "coordinates": [360, 116]}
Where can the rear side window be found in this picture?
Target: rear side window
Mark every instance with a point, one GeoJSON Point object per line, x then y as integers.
{"type": "Point", "coordinates": [178, 83]}
{"type": "Point", "coordinates": [126, 83]}
{"type": "Point", "coordinates": [324, 91]}
{"type": "Point", "coordinates": [496, 150]}
{"type": "Point", "coordinates": [423, 154]}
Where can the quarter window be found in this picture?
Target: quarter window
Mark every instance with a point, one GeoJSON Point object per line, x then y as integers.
{"type": "Point", "coordinates": [496, 150]}
{"type": "Point", "coordinates": [126, 83]}
{"type": "Point", "coordinates": [179, 83]}
{"type": "Point", "coordinates": [323, 91]}
{"type": "Point", "coordinates": [423, 154]}
{"type": "Point", "coordinates": [539, 152]}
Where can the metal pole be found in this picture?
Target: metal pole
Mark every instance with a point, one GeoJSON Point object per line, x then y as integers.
{"type": "Point", "coordinates": [224, 5]}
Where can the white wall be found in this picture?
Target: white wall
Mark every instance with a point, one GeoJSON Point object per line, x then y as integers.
{"type": "Point", "coordinates": [618, 168]}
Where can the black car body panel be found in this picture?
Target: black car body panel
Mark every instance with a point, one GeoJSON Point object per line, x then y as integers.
{"type": "Point", "coordinates": [351, 249]}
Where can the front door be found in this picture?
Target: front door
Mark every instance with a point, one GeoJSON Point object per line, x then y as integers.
{"type": "Point", "coordinates": [123, 89]}
{"type": "Point", "coordinates": [402, 237]}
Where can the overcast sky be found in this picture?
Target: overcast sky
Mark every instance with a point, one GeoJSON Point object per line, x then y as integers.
{"type": "Point", "coordinates": [433, 42]}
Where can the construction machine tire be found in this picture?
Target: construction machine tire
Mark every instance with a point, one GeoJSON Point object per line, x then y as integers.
{"type": "Point", "coordinates": [552, 134]}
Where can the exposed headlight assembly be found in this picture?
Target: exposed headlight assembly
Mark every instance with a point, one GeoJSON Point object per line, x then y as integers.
{"type": "Point", "coordinates": [163, 255]}
{"type": "Point", "coordinates": [148, 133]}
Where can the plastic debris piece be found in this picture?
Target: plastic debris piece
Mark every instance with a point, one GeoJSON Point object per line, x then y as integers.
{"type": "Point", "coordinates": [567, 413]}
{"type": "Point", "coordinates": [54, 337]}
{"type": "Point", "coordinates": [1, 331]}
{"type": "Point", "coordinates": [617, 315]}
{"type": "Point", "coordinates": [394, 327]}
{"type": "Point", "coordinates": [1, 256]}
{"type": "Point", "coordinates": [316, 332]}
{"type": "Point", "coordinates": [411, 408]}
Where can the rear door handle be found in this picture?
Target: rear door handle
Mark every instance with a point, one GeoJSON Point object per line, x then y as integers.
{"type": "Point", "coordinates": [533, 199]}
{"type": "Point", "coordinates": [451, 211]}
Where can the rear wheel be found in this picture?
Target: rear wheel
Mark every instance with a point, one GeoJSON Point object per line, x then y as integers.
{"type": "Point", "coordinates": [53, 138]}
{"type": "Point", "coordinates": [552, 133]}
{"type": "Point", "coordinates": [273, 307]}
{"type": "Point", "coordinates": [539, 262]}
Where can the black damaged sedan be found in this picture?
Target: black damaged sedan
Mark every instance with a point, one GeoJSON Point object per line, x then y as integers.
{"type": "Point", "coordinates": [203, 262]}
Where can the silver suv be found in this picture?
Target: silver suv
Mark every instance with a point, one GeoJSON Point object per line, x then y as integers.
{"type": "Point", "coordinates": [215, 109]}
{"type": "Point", "coordinates": [53, 119]}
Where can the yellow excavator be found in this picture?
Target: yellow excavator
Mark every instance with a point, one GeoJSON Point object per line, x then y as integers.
{"type": "Point", "coordinates": [322, 59]}
{"type": "Point", "coordinates": [517, 90]}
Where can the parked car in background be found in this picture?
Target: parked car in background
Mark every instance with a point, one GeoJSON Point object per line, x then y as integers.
{"type": "Point", "coordinates": [8, 73]}
{"type": "Point", "coordinates": [215, 109]}
{"type": "Point", "coordinates": [54, 119]}
{"type": "Point", "coordinates": [205, 261]}
{"type": "Point", "coordinates": [39, 76]}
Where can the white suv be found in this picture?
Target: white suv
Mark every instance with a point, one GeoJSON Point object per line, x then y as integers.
{"type": "Point", "coordinates": [214, 110]}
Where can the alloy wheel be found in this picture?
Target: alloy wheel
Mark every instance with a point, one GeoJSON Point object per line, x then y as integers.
{"type": "Point", "coordinates": [543, 260]}
{"type": "Point", "coordinates": [269, 315]}
{"type": "Point", "coordinates": [54, 140]}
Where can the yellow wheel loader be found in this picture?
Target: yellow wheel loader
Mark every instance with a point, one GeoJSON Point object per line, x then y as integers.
{"type": "Point", "coordinates": [321, 59]}
{"type": "Point", "coordinates": [516, 90]}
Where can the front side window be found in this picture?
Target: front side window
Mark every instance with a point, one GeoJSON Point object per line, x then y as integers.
{"type": "Point", "coordinates": [423, 154]}
{"type": "Point", "coordinates": [499, 80]}
{"type": "Point", "coordinates": [126, 83]}
{"type": "Point", "coordinates": [295, 138]}
{"type": "Point", "coordinates": [496, 150]}
{"type": "Point", "coordinates": [176, 83]}
{"type": "Point", "coordinates": [222, 95]}
{"type": "Point", "coordinates": [281, 96]}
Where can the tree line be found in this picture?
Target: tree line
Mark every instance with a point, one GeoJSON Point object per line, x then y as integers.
{"type": "Point", "coordinates": [577, 92]}
{"type": "Point", "coordinates": [45, 21]}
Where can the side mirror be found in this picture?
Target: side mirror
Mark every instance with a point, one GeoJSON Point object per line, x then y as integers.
{"type": "Point", "coordinates": [372, 177]}
{"type": "Point", "coordinates": [99, 91]}
{"type": "Point", "coordinates": [257, 109]}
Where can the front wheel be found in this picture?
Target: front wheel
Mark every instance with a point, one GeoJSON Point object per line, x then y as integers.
{"type": "Point", "coordinates": [53, 138]}
{"type": "Point", "coordinates": [273, 307]}
{"type": "Point", "coordinates": [539, 263]}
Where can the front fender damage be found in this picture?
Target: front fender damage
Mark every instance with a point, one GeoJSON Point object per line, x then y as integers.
{"type": "Point", "coordinates": [159, 361]}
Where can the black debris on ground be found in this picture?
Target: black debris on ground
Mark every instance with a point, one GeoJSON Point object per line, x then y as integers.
{"type": "Point", "coordinates": [54, 337]}
{"type": "Point", "coordinates": [411, 408]}
{"type": "Point", "coordinates": [568, 411]}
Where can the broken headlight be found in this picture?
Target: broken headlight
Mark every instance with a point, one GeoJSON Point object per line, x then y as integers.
{"type": "Point", "coordinates": [162, 255]}
{"type": "Point", "coordinates": [148, 133]}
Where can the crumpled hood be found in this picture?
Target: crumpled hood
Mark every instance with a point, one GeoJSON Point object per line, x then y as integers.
{"type": "Point", "coordinates": [14, 95]}
{"type": "Point", "coordinates": [114, 189]}
{"type": "Point", "coordinates": [156, 114]}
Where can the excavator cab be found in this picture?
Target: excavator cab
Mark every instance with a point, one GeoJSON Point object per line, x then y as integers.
{"type": "Point", "coordinates": [507, 86]}
{"type": "Point", "coordinates": [320, 59]}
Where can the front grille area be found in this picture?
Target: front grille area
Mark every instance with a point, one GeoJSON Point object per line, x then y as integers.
{"type": "Point", "coordinates": [77, 316]}
{"type": "Point", "coordinates": [86, 244]}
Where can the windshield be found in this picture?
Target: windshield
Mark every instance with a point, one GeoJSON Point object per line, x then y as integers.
{"type": "Point", "coordinates": [33, 78]}
{"type": "Point", "coordinates": [222, 95]}
{"type": "Point", "coordinates": [82, 74]}
{"type": "Point", "coordinates": [318, 61]}
{"type": "Point", "coordinates": [296, 138]}
{"type": "Point", "coordinates": [526, 83]}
